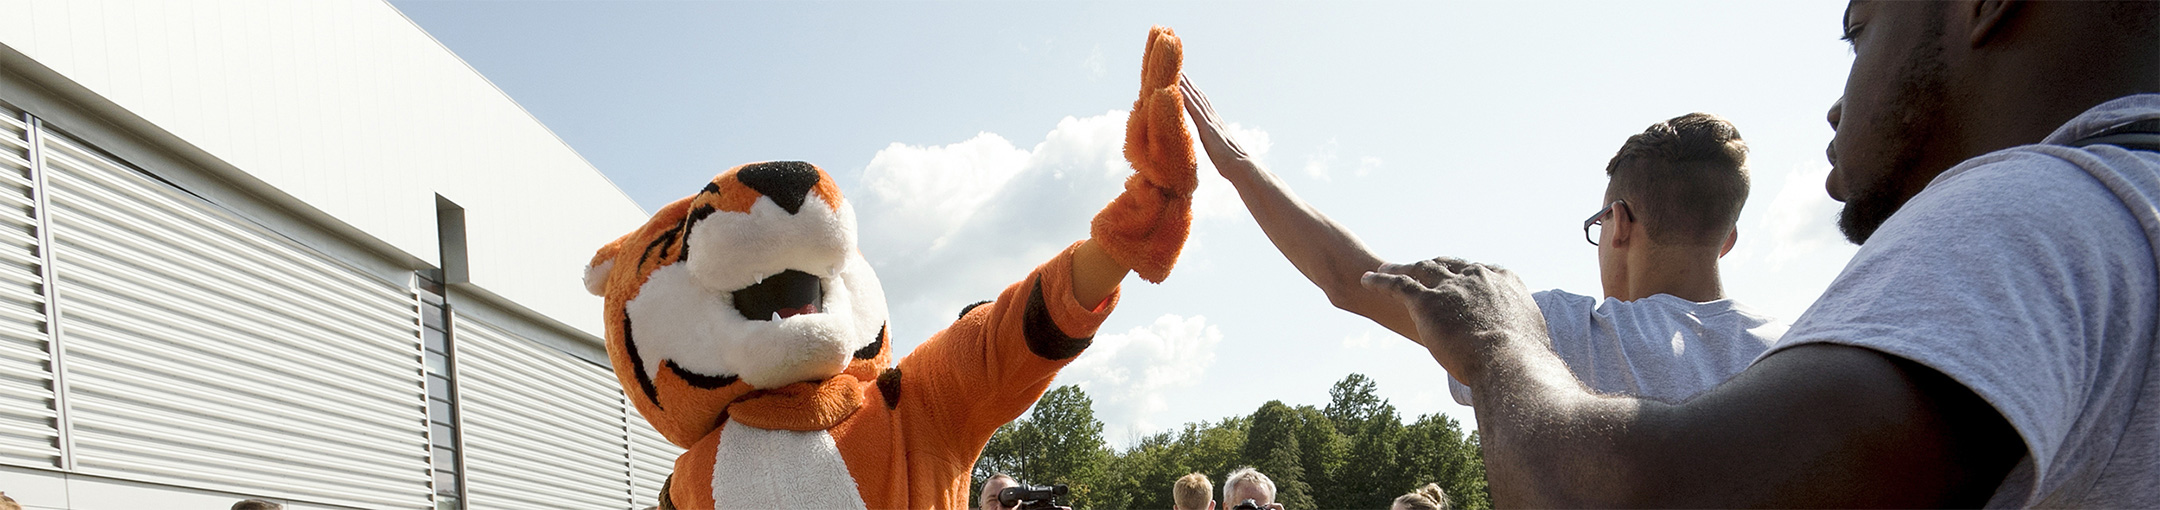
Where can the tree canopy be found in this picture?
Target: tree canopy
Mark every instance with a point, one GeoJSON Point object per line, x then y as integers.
{"type": "Point", "coordinates": [1355, 452]}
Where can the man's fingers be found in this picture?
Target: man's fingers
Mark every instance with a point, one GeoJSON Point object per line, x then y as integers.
{"type": "Point", "coordinates": [1455, 265]}
{"type": "Point", "coordinates": [1400, 286]}
{"type": "Point", "coordinates": [1194, 96]}
{"type": "Point", "coordinates": [1426, 272]}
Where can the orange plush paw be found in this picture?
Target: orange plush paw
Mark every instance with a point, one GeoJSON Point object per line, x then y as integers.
{"type": "Point", "coordinates": [1145, 227]}
{"type": "Point", "coordinates": [1156, 141]}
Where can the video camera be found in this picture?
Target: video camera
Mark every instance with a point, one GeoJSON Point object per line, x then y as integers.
{"type": "Point", "coordinates": [1027, 497]}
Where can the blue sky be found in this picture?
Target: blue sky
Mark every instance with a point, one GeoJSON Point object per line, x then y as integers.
{"type": "Point", "coordinates": [977, 138]}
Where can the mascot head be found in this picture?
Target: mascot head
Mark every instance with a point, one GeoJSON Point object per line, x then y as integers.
{"type": "Point", "coordinates": [751, 287]}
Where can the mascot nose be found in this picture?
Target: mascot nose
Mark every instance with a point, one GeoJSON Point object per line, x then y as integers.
{"type": "Point", "coordinates": [787, 183]}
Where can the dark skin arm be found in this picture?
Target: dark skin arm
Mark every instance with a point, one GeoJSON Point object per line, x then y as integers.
{"type": "Point", "coordinates": [1812, 426]}
{"type": "Point", "coordinates": [1326, 252]}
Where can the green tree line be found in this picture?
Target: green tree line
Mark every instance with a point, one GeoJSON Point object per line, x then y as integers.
{"type": "Point", "coordinates": [1354, 453]}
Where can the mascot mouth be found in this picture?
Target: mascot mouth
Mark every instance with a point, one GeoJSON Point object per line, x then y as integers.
{"type": "Point", "coordinates": [783, 295]}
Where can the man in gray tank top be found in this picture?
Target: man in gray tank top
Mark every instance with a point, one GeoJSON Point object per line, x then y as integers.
{"type": "Point", "coordinates": [1992, 344]}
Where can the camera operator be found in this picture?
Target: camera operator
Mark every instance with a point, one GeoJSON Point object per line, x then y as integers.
{"type": "Point", "coordinates": [1248, 489]}
{"type": "Point", "coordinates": [1029, 497]}
{"type": "Point", "coordinates": [988, 498]}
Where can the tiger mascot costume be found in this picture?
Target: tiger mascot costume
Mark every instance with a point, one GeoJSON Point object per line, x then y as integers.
{"type": "Point", "coordinates": [747, 328]}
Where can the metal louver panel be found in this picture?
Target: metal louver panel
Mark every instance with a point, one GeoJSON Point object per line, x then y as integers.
{"type": "Point", "coordinates": [541, 429]}
{"type": "Point", "coordinates": [29, 431]}
{"type": "Point", "coordinates": [206, 351]}
{"type": "Point", "coordinates": [651, 459]}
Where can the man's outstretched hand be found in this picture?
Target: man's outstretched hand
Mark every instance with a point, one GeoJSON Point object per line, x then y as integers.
{"type": "Point", "coordinates": [1463, 310]}
{"type": "Point", "coordinates": [1208, 127]}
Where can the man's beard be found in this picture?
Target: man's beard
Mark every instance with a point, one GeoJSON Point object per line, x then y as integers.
{"type": "Point", "coordinates": [1918, 112]}
{"type": "Point", "coordinates": [1867, 207]}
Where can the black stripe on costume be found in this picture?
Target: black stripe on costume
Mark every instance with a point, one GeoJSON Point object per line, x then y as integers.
{"type": "Point", "coordinates": [661, 243]}
{"type": "Point", "coordinates": [970, 308]}
{"type": "Point", "coordinates": [637, 364]}
{"type": "Point", "coordinates": [876, 345]}
{"type": "Point", "coordinates": [888, 383]}
{"type": "Point", "coordinates": [1044, 338]}
{"type": "Point", "coordinates": [702, 381]}
{"type": "Point", "coordinates": [689, 223]}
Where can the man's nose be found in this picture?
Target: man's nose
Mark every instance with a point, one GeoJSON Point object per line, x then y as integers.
{"type": "Point", "coordinates": [1837, 111]}
{"type": "Point", "coordinates": [787, 183]}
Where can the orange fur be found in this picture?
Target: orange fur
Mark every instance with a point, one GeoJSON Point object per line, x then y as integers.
{"type": "Point", "coordinates": [1146, 226]}
{"type": "Point", "coordinates": [909, 435]}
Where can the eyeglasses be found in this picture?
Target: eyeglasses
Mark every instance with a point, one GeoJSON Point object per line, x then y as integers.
{"type": "Point", "coordinates": [1597, 221]}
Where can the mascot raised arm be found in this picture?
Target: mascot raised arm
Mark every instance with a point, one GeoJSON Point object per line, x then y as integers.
{"type": "Point", "coordinates": [747, 328]}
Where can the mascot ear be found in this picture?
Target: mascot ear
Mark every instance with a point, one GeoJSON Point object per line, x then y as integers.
{"type": "Point", "coordinates": [596, 273]}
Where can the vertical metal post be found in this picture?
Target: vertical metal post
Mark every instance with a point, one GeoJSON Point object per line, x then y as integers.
{"type": "Point", "coordinates": [629, 451]}
{"type": "Point", "coordinates": [457, 400]}
{"type": "Point", "coordinates": [56, 345]}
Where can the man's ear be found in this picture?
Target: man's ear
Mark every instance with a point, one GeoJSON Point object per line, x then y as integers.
{"type": "Point", "coordinates": [1987, 17]}
{"type": "Point", "coordinates": [1622, 224]}
{"type": "Point", "coordinates": [1730, 239]}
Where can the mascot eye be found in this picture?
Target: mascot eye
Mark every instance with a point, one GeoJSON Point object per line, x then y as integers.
{"type": "Point", "coordinates": [784, 295]}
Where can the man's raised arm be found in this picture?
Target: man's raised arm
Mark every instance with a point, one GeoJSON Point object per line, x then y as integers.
{"type": "Point", "coordinates": [1814, 425]}
{"type": "Point", "coordinates": [1326, 252]}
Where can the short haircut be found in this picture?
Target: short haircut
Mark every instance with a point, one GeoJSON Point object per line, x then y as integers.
{"type": "Point", "coordinates": [986, 481]}
{"type": "Point", "coordinates": [257, 504]}
{"type": "Point", "coordinates": [1429, 497]}
{"type": "Point", "coordinates": [1191, 492]}
{"type": "Point", "coordinates": [1684, 178]}
{"type": "Point", "coordinates": [1245, 476]}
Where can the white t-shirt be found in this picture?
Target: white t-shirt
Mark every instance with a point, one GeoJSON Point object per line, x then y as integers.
{"type": "Point", "coordinates": [1660, 347]}
{"type": "Point", "coordinates": [2028, 276]}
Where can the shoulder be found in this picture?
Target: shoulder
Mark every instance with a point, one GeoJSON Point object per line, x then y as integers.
{"type": "Point", "coordinates": [1559, 301]}
{"type": "Point", "coordinates": [2024, 185]}
{"type": "Point", "coordinates": [1756, 325]}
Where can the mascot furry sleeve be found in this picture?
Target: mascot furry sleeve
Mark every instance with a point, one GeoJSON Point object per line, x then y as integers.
{"type": "Point", "coordinates": [746, 326]}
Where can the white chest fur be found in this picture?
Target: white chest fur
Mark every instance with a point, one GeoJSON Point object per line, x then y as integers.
{"type": "Point", "coordinates": [758, 468]}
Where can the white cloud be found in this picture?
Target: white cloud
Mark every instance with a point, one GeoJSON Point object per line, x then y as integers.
{"type": "Point", "coordinates": [1359, 341]}
{"type": "Point", "coordinates": [1094, 64]}
{"type": "Point", "coordinates": [1319, 162]}
{"type": "Point", "coordinates": [949, 225]}
{"type": "Point", "coordinates": [1128, 373]}
{"type": "Point", "coordinates": [1792, 250]}
{"type": "Point", "coordinates": [1802, 221]}
{"type": "Point", "coordinates": [1367, 165]}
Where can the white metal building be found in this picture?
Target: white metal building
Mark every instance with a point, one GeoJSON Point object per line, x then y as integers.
{"type": "Point", "coordinates": [297, 251]}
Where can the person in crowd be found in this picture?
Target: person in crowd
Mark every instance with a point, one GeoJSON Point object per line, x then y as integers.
{"type": "Point", "coordinates": [1429, 497]}
{"type": "Point", "coordinates": [1672, 200]}
{"type": "Point", "coordinates": [7, 503]}
{"type": "Point", "coordinates": [1246, 488]}
{"type": "Point", "coordinates": [1193, 492]}
{"type": "Point", "coordinates": [257, 504]}
{"type": "Point", "coordinates": [988, 498]}
{"type": "Point", "coordinates": [1993, 342]}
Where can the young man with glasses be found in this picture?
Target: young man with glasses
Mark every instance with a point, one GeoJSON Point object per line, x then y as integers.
{"type": "Point", "coordinates": [1664, 329]}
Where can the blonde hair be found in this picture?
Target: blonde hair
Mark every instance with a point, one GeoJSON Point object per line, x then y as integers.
{"type": "Point", "coordinates": [1246, 476]}
{"type": "Point", "coordinates": [1191, 492]}
{"type": "Point", "coordinates": [1429, 497]}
